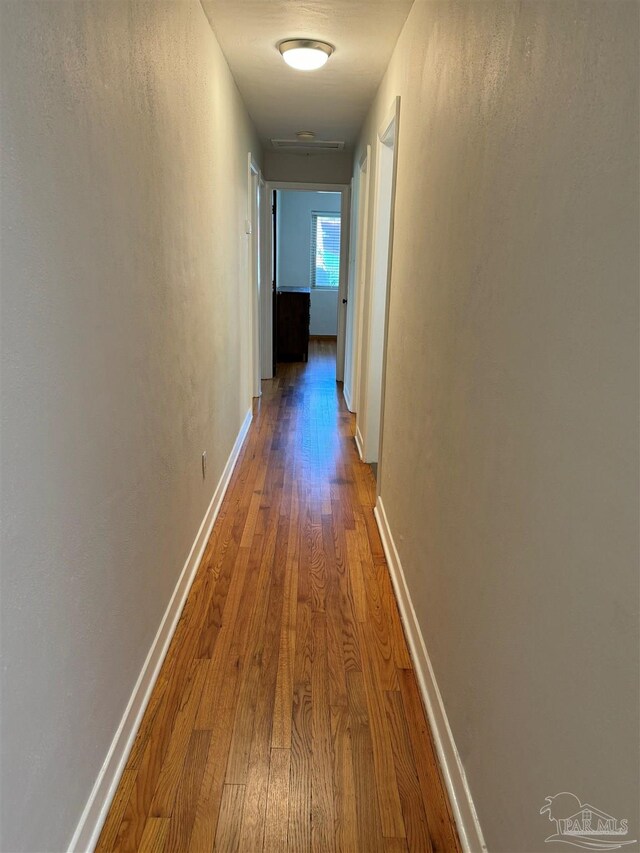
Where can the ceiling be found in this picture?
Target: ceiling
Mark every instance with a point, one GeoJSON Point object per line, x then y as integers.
{"type": "Point", "coordinates": [332, 101]}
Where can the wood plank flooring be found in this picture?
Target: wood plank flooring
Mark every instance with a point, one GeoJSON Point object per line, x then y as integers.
{"type": "Point", "coordinates": [287, 716]}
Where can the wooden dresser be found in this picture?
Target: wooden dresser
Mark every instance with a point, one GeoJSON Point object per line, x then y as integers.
{"type": "Point", "coordinates": [292, 324]}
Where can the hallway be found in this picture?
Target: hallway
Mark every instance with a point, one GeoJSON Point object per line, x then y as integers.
{"type": "Point", "coordinates": [287, 714]}
{"type": "Point", "coordinates": [231, 616]}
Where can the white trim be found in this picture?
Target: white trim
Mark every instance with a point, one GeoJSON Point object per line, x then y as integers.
{"type": "Point", "coordinates": [389, 138]}
{"type": "Point", "coordinates": [360, 279]}
{"type": "Point", "coordinates": [95, 812]}
{"type": "Point", "coordinates": [464, 812]}
{"type": "Point", "coordinates": [254, 268]}
{"type": "Point", "coordinates": [347, 396]}
{"type": "Point", "coordinates": [359, 442]}
{"type": "Point", "coordinates": [387, 133]}
{"type": "Point", "coordinates": [264, 218]}
{"type": "Point", "coordinates": [341, 307]}
{"type": "Point", "coordinates": [266, 292]}
{"type": "Point", "coordinates": [348, 323]}
{"type": "Point", "coordinates": [371, 403]}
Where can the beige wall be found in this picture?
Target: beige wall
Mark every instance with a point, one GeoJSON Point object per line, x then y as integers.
{"type": "Point", "coordinates": [124, 356]}
{"type": "Point", "coordinates": [510, 453]}
{"type": "Point", "coordinates": [308, 168]}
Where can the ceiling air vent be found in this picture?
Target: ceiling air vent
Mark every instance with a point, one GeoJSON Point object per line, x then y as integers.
{"type": "Point", "coordinates": [307, 145]}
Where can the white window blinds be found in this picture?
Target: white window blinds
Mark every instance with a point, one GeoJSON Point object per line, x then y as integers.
{"type": "Point", "coordinates": [325, 249]}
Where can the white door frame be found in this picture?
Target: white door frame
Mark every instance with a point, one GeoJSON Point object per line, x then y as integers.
{"type": "Point", "coordinates": [343, 283]}
{"type": "Point", "coordinates": [264, 209]}
{"type": "Point", "coordinates": [355, 305]}
{"type": "Point", "coordinates": [266, 307]}
{"type": "Point", "coordinates": [371, 414]}
{"type": "Point", "coordinates": [348, 335]}
{"type": "Point", "coordinates": [266, 319]}
{"type": "Point", "coordinates": [394, 129]}
{"type": "Point", "coordinates": [253, 230]}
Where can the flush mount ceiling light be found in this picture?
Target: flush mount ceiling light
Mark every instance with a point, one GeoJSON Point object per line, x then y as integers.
{"type": "Point", "coordinates": [305, 55]}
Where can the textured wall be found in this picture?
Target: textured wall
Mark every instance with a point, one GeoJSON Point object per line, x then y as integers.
{"type": "Point", "coordinates": [510, 457]}
{"type": "Point", "coordinates": [333, 168]}
{"type": "Point", "coordinates": [124, 356]}
{"type": "Point", "coordinates": [294, 247]}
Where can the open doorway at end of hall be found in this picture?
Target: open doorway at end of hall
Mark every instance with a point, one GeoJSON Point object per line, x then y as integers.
{"type": "Point", "coordinates": [305, 317]}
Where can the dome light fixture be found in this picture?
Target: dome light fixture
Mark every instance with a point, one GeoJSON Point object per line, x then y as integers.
{"type": "Point", "coordinates": [305, 54]}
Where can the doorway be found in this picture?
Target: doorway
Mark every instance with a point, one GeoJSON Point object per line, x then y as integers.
{"type": "Point", "coordinates": [356, 285]}
{"type": "Point", "coordinates": [373, 345]}
{"type": "Point", "coordinates": [308, 242]}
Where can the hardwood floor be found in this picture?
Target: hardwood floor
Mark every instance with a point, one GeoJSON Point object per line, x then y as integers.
{"type": "Point", "coordinates": [287, 714]}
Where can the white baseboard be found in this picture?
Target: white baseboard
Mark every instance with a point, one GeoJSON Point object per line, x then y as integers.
{"type": "Point", "coordinates": [359, 442]}
{"type": "Point", "coordinates": [95, 812]}
{"type": "Point", "coordinates": [464, 812]}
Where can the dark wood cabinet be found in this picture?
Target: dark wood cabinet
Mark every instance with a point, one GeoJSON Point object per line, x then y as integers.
{"type": "Point", "coordinates": [292, 323]}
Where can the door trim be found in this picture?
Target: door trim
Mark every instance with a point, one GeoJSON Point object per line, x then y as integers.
{"type": "Point", "coordinates": [343, 283]}
{"type": "Point", "coordinates": [386, 137]}
{"type": "Point", "coordinates": [254, 269]}
{"type": "Point", "coordinates": [392, 126]}
{"type": "Point", "coordinates": [360, 248]}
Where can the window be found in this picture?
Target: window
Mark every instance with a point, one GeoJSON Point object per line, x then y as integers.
{"type": "Point", "coordinates": [325, 249]}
